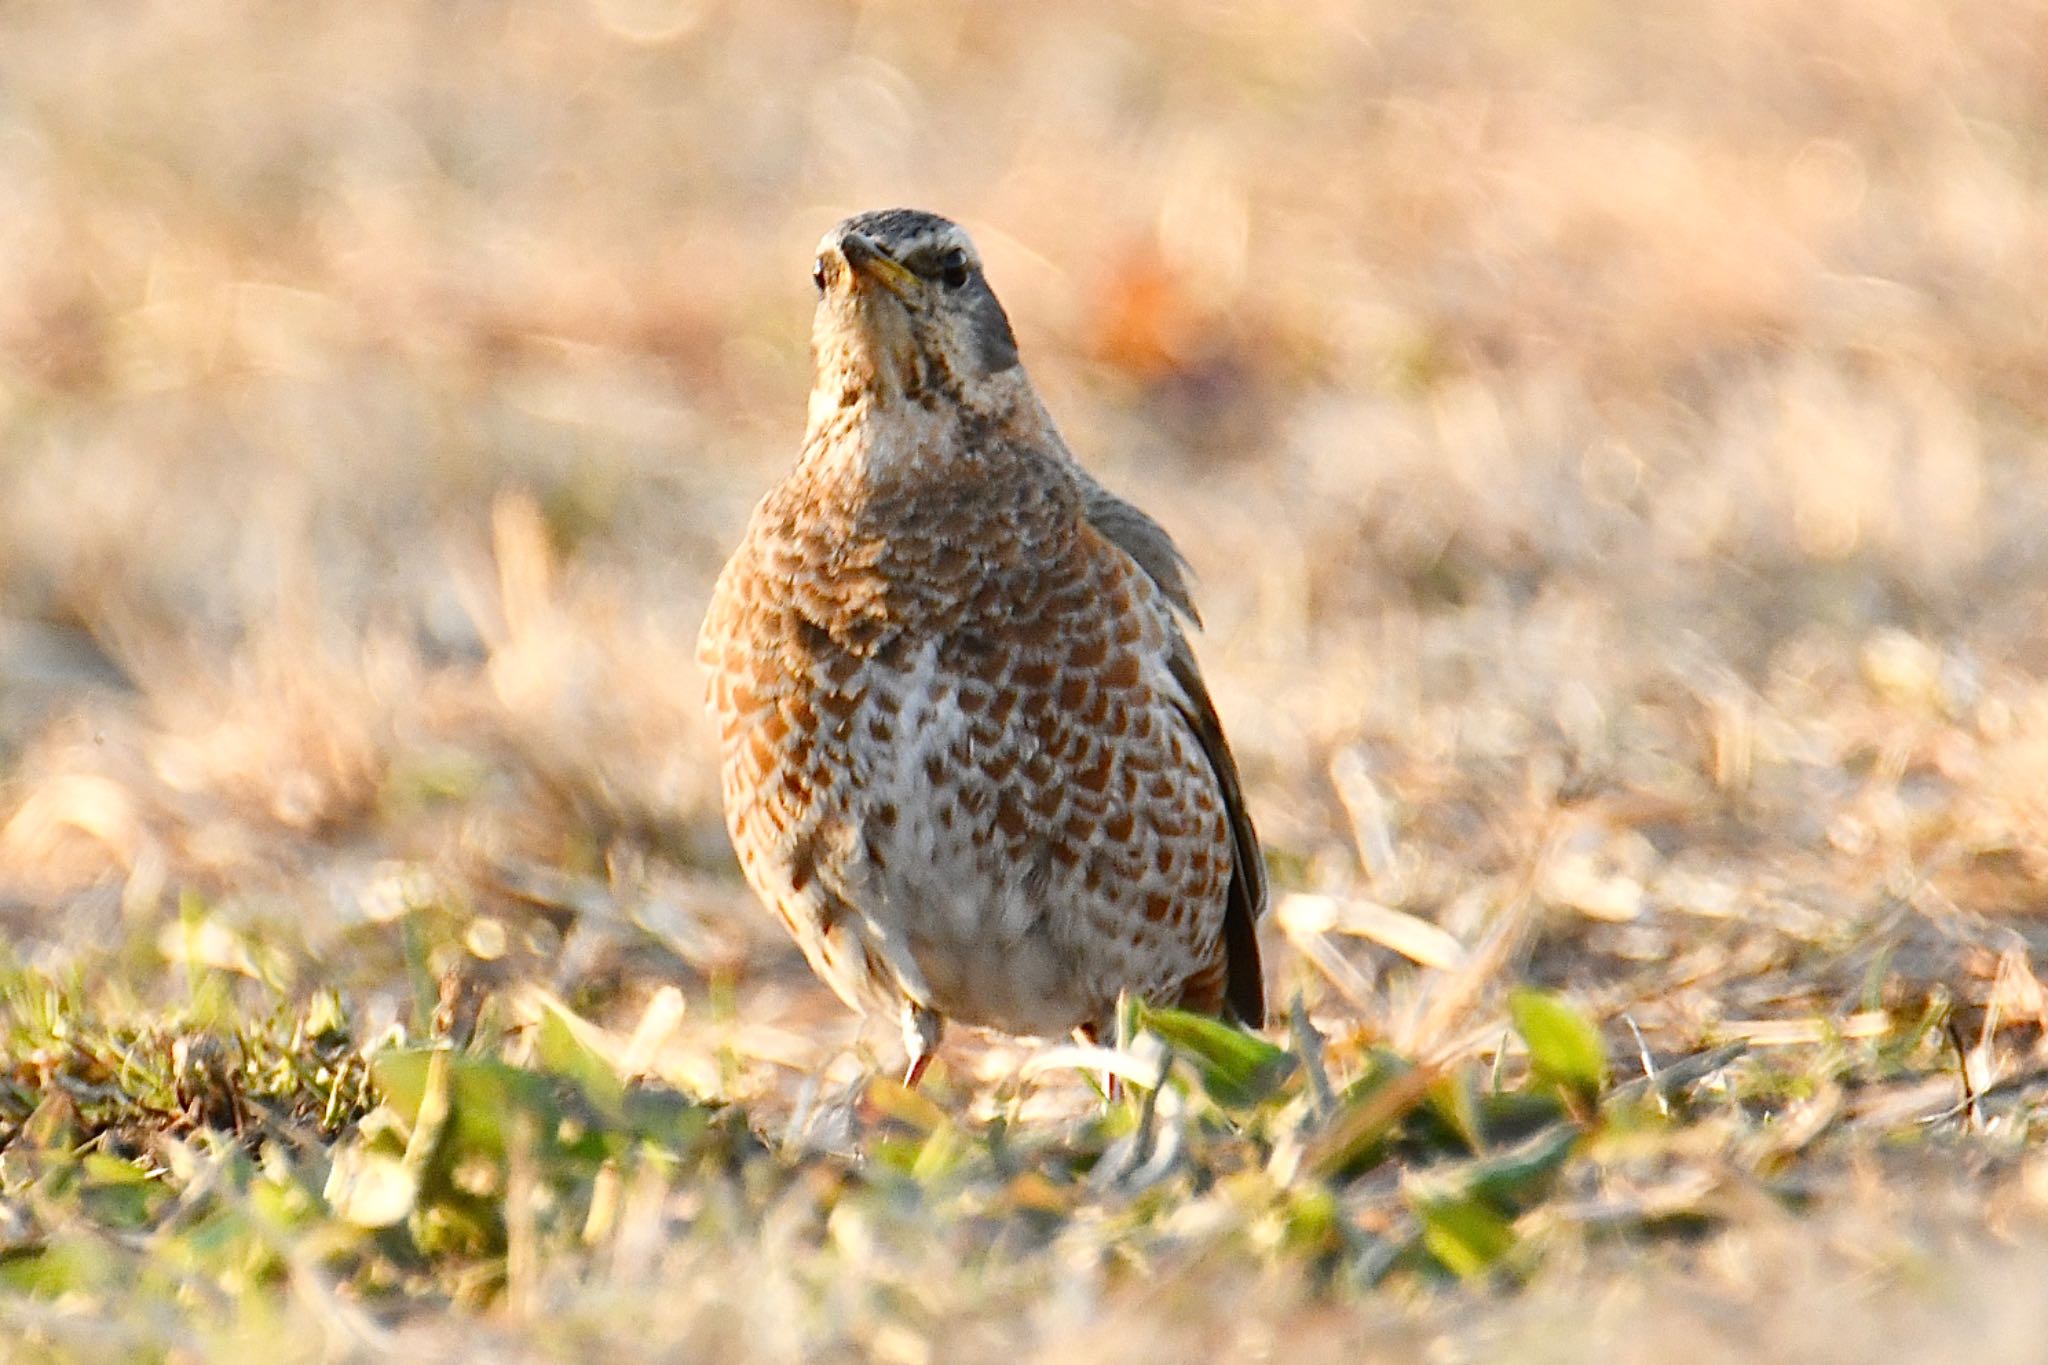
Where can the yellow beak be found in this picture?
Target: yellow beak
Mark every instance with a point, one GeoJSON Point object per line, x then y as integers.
{"type": "Point", "coordinates": [869, 260]}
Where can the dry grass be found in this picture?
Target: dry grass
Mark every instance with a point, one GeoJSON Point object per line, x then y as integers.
{"type": "Point", "coordinates": [1612, 442]}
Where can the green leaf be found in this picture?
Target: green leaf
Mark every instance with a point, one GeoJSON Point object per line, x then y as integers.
{"type": "Point", "coordinates": [118, 1193]}
{"type": "Point", "coordinates": [1565, 1050]}
{"type": "Point", "coordinates": [1237, 1069]}
{"type": "Point", "coordinates": [582, 1113]}
{"type": "Point", "coordinates": [564, 1049]}
{"type": "Point", "coordinates": [944, 1153]}
{"type": "Point", "coordinates": [284, 1202]}
{"type": "Point", "coordinates": [1468, 1211]}
{"type": "Point", "coordinates": [1454, 1101]}
{"type": "Point", "coordinates": [71, 1265]}
{"type": "Point", "coordinates": [666, 1118]}
{"type": "Point", "coordinates": [1312, 1223]}
{"type": "Point", "coordinates": [52, 1126]}
{"type": "Point", "coordinates": [482, 1096]}
{"type": "Point", "coordinates": [1516, 1180]}
{"type": "Point", "coordinates": [1514, 1115]}
{"type": "Point", "coordinates": [1466, 1235]}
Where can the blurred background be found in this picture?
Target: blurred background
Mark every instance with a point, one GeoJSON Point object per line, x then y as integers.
{"type": "Point", "coordinates": [1610, 439]}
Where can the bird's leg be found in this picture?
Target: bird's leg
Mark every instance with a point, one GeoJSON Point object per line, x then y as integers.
{"type": "Point", "coordinates": [1112, 1082]}
{"type": "Point", "coordinates": [921, 1030]}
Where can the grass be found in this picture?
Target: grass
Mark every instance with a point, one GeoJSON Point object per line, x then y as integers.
{"type": "Point", "coordinates": [185, 1187]}
{"type": "Point", "coordinates": [1612, 446]}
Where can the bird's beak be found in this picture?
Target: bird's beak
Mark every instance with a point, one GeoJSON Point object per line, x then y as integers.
{"type": "Point", "coordinates": [869, 261]}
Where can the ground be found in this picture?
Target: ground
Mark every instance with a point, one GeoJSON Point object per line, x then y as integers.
{"type": "Point", "coordinates": [1611, 441]}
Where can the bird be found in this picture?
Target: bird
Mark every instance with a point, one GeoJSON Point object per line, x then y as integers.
{"type": "Point", "coordinates": [966, 753]}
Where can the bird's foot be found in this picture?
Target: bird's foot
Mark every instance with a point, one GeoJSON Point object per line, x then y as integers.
{"type": "Point", "coordinates": [921, 1030]}
{"type": "Point", "coordinates": [1090, 1035]}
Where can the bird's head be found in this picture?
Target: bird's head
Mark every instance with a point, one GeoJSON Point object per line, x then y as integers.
{"type": "Point", "coordinates": [904, 315]}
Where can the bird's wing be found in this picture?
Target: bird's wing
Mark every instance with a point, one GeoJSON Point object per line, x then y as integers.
{"type": "Point", "coordinates": [1140, 537]}
{"type": "Point", "coordinates": [1147, 543]}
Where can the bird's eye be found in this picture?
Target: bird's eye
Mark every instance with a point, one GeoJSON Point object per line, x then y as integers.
{"type": "Point", "coordinates": [953, 268]}
{"type": "Point", "coordinates": [818, 274]}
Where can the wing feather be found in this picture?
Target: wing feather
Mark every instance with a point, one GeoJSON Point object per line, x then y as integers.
{"type": "Point", "coordinates": [1148, 544]}
{"type": "Point", "coordinates": [1142, 538]}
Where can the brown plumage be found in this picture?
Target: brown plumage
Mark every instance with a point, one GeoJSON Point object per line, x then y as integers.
{"type": "Point", "coordinates": [967, 753]}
